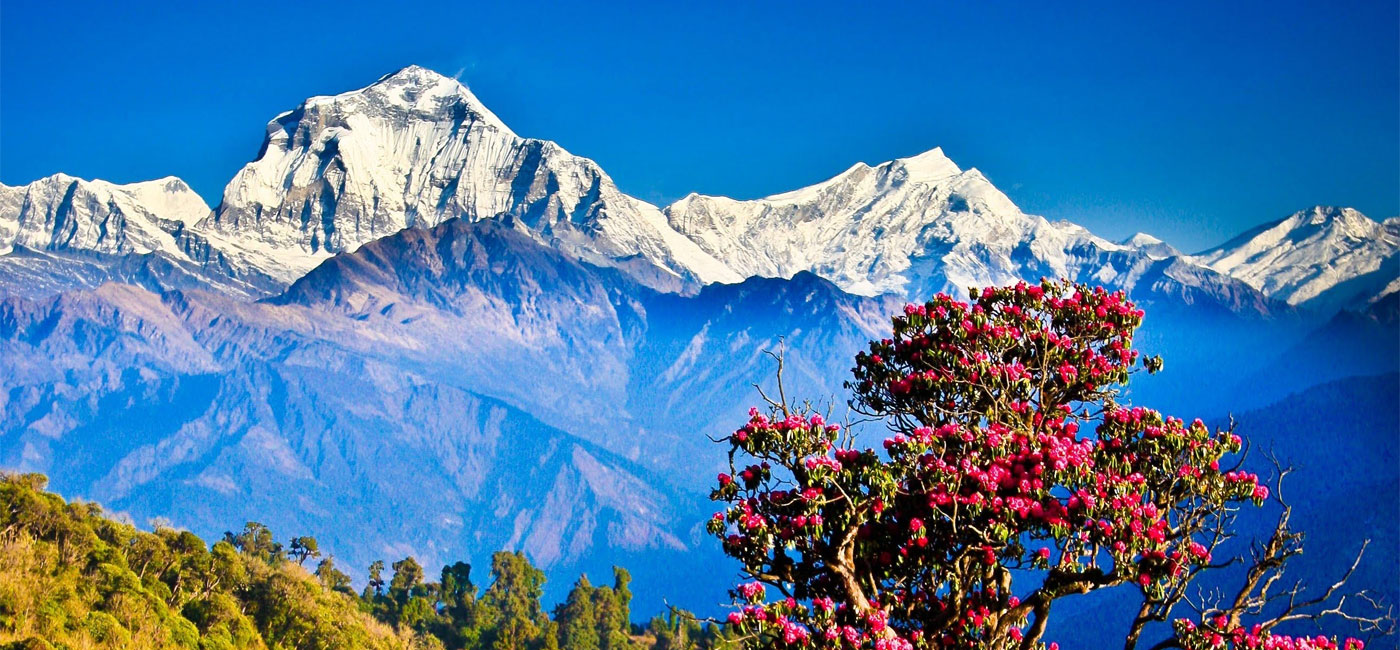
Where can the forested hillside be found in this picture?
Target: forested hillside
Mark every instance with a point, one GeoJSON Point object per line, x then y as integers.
{"type": "Point", "coordinates": [73, 577]}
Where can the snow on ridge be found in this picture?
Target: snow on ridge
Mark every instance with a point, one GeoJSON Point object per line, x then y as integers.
{"type": "Point", "coordinates": [415, 149]}
{"type": "Point", "coordinates": [169, 196]}
{"type": "Point", "coordinates": [417, 89]}
{"type": "Point", "coordinates": [911, 225]}
{"type": "Point", "coordinates": [1392, 287]}
{"type": "Point", "coordinates": [928, 166]}
{"type": "Point", "coordinates": [1304, 255]}
{"type": "Point", "coordinates": [918, 225]}
{"type": "Point", "coordinates": [1151, 245]}
{"type": "Point", "coordinates": [63, 212]}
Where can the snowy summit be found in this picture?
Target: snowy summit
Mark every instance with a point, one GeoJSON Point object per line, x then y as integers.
{"type": "Point", "coordinates": [417, 148]}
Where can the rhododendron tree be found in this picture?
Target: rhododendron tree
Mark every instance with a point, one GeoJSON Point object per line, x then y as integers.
{"type": "Point", "coordinates": [1012, 477]}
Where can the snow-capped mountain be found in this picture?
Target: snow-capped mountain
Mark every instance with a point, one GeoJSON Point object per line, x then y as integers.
{"type": "Point", "coordinates": [1151, 245]}
{"type": "Point", "coordinates": [918, 225]}
{"type": "Point", "coordinates": [61, 212]}
{"type": "Point", "coordinates": [1335, 256]}
{"type": "Point", "coordinates": [477, 341]}
{"type": "Point", "coordinates": [417, 148]}
{"type": "Point", "coordinates": [60, 233]}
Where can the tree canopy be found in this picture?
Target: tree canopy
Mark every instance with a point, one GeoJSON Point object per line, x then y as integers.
{"type": "Point", "coordinates": [71, 577]}
{"type": "Point", "coordinates": [1012, 477]}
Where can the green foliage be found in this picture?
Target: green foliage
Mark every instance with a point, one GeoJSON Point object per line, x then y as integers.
{"type": "Point", "coordinates": [333, 578]}
{"type": "Point", "coordinates": [71, 578]}
{"type": "Point", "coordinates": [256, 541]}
{"type": "Point", "coordinates": [576, 618]}
{"type": "Point", "coordinates": [408, 579]}
{"type": "Point", "coordinates": [375, 586]}
{"type": "Point", "coordinates": [303, 548]}
{"type": "Point", "coordinates": [679, 631]}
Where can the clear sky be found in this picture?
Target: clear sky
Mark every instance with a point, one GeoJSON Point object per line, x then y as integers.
{"type": "Point", "coordinates": [1189, 120]}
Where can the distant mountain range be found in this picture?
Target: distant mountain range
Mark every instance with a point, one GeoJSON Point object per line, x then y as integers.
{"type": "Point", "coordinates": [416, 148]}
{"type": "Point", "coordinates": [444, 391]}
{"type": "Point", "coordinates": [408, 325]}
{"type": "Point", "coordinates": [1323, 257]}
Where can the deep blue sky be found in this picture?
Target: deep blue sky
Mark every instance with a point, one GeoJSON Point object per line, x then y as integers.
{"type": "Point", "coordinates": [1189, 120]}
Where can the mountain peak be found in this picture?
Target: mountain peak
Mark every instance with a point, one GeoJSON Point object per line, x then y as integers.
{"type": "Point", "coordinates": [414, 149]}
{"type": "Point", "coordinates": [1141, 239]}
{"type": "Point", "coordinates": [172, 185]}
{"type": "Point", "coordinates": [1331, 216]}
{"type": "Point", "coordinates": [1321, 213]}
{"type": "Point", "coordinates": [414, 71]}
{"type": "Point", "coordinates": [427, 93]}
{"type": "Point", "coordinates": [928, 166]}
{"type": "Point", "coordinates": [419, 79]}
{"type": "Point", "coordinates": [1304, 255]}
{"type": "Point", "coordinates": [1154, 247]}
{"type": "Point", "coordinates": [56, 177]}
{"type": "Point", "coordinates": [60, 212]}
{"type": "Point", "coordinates": [412, 93]}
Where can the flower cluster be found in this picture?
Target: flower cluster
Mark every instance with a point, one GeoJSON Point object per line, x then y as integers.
{"type": "Point", "coordinates": [1008, 451]}
{"type": "Point", "coordinates": [1219, 634]}
{"type": "Point", "coordinates": [949, 356]}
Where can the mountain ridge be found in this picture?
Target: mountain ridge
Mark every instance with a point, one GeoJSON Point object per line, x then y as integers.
{"type": "Point", "coordinates": [1317, 255]}
{"type": "Point", "coordinates": [62, 212]}
{"type": "Point", "coordinates": [918, 225]}
{"type": "Point", "coordinates": [559, 407]}
{"type": "Point", "coordinates": [416, 148]}
{"type": "Point", "coordinates": [334, 397]}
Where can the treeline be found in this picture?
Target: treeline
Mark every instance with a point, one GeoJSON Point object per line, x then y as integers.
{"type": "Point", "coordinates": [72, 578]}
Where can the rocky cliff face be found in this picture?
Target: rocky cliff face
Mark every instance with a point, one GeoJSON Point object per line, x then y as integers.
{"type": "Point", "coordinates": [911, 226]}
{"type": "Point", "coordinates": [466, 340]}
{"type": "Point", "coordinates": [466, 388]}
{"type": "Point", "coordinates": [210, 412]}
{"type": "Point", "coordinates": [462, 386]}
